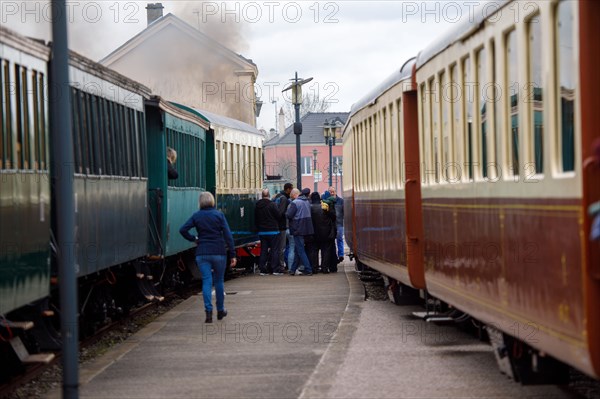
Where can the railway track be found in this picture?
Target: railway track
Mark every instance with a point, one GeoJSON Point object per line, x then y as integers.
{"type": "Point", "coordinates": [92, 345]}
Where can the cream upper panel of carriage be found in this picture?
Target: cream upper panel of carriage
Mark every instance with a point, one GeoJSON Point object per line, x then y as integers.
{"type": "Point", "coordinates": [13, 56]}
{"type": "Point", "coordinates": [111, 91]}
{"type": "Point", "coordinates": [234, 136]}
{"type": "Point", "coordinates": [530, 132]}
{"type": "Point", "coordinates": [24, 46]}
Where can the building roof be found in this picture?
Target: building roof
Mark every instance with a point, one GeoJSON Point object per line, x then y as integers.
{"type": "Point", "coordinates": [220, 120]}
{"type": "Point", "coordinates": [170, 19]}
{"type": "Point", "coordinates": [312, 129]}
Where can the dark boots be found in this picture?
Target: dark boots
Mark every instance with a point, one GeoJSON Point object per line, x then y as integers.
{"type": "Point", "coordinates": [220, 315]}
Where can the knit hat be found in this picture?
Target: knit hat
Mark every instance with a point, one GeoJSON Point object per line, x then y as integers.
{"type": "Point", "coordinates": [315, 198]}
{"type": "Point", "coordinates": [306, 192]}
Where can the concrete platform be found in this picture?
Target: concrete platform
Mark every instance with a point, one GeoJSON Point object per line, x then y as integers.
{"type": "Point", "coordinates": [301, 336]}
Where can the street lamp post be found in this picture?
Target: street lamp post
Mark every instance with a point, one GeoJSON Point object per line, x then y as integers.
{"type": "Point", "coordinates": [339, 175]}
{"type": "Point", "coordinates": [275, 102]}
{"type": "Point", "coordinates": [329, 134]}
{"type": "Point", "coordinates": [296, 87]}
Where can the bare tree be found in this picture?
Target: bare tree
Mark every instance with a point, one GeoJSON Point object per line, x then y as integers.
{"type": "Point", "coordinates": [310, 103]}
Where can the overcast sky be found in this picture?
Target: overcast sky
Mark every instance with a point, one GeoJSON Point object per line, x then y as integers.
{"type": "Point", "coordinates": [348, 47]}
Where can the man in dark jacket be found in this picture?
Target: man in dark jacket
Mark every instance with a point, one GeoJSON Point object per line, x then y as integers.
{"type": "Point", "coordinates": [323, 218]}
{"type": "Point", "coordinates": [283, 201]}
{"type": "Point", "coordinates": [339, 213]}
{"type": "Point", "coordinates": [298, 214]}
{"type": "Point", "coordinates": [266, 219]}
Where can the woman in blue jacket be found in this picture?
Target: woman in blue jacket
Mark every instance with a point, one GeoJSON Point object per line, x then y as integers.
{"type": "Point", "coordinates": [214, 242]}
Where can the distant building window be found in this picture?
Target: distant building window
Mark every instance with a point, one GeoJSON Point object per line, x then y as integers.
{"type": "Point", "coordinates": [306, 165]}
{"type": "Point", "coordinates": [337, 166]}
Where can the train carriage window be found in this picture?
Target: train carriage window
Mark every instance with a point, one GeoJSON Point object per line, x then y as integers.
{"type": "Point", "coordinates": [371, 156]}
{"type": "Point", "coordinates": [445, 137]}
{"type": "Point", "coordinates": [43, 122]}
{"type": "Point", "coordinates": [385, 146]}
{"type": "Point", "coordinates": [3, 127]}
{"type": "Point", "coordinates": [137, 142]}
{"type": "Point", "coordinates": [198, 157]}
{"type": "Point", "coordinates": [230, 163]}
{"type": "Point", "coordinates": [566, 75]}
{"type": "Point", "coordinates": [122, 136]}
{"type": "Point", "coordinates": [25, 97]}
{"type": "Point", "coordinates": [86, 134]}
{"type": "Point", "coordinates": [218, 162]}
{"type": "Point", "coordinates": [128, 135]}
{"type": "Point", "coordinates": [99, 118]}
{"type": "Point", "coordinates": [171, 143]}
{"type": "Point", "coordinates": [183, 146]}
{"type": "Point", "coordinates": [221, 166]}
{"type": "Point", "coordinates": [482, 84]}
{"type": "Point", "coordinates": [92, 133]}
{"type": "Point", "coordinates": [376, 142]}
{"type": "Point", "coordinates": [493, 97]}
{"type": "Point", "coordinates": [512, 106]}
{"type": "Point", "coordinates": [424, 131]}
{"type": "Point", "coordinates": [133, 134]}
{"type": "Point", "coordinates": [399, 145]}
{"type": "Point", "coordinates": [8, 116]}
{"type": "Point", "coordinates": [435, 126]}
{"type": "Point", "coordinates": [359, 150]}
{"type": "Point", "coordinates": [201, 168]}
{"type": "Point", "coordinates": [142, 136]}
{"type": "Point", "coordinates": [108, 126]}
{"type": "Point", "coordinates": [364, 149]}
{"type": "Point", "coordinates": [27, 117]}
{"type": "Point", "coordinates": [535, 92]}
{"type": "Point", "coordinates": [36, 121]}
{"type": "Point", "coordinates": [193, 160]}
{"type": "Point", "coordinates": [454, 94]}
{"type": "Point", "coordinates": [367, 155]}
{"type": "Point", "coordinates": [95, 147]}
{"type": "Point", "coordinates": [469, 98]}
{"type": "Point", "coordinates": [19, 120]}
{"type": "Point", "coordinates": [76, 127]}
{"type": "Point", "coordinates": [242, 158]}
{"type": "Point", "coordinates": [246, 167]}
{"type": "Point", "coordinates": [115, 139]}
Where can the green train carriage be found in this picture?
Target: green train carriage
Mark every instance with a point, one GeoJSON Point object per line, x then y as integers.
{"type": "Point", "coordinates": [24, 172]}
{"type": "Point", "coordinates": [237, 159]}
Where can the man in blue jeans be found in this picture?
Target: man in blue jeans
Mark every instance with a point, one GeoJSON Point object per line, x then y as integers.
{"type": "Point", "coordinates": [298, 214]}
{"type": "Point", "coordinates": [215, 244]}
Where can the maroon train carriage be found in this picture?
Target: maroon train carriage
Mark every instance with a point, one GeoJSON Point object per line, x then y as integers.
{"type": "Point", "coordinates": [506, 178]}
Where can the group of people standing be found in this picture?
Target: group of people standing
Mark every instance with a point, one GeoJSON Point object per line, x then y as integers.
{"type": "Point", "coordinates": [306, 225]}
{"type": "Point", "coordinates": [294, 226]}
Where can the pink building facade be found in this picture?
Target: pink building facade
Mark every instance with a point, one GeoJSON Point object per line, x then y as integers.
{"type": "Point", "coordinates": [280, 154]}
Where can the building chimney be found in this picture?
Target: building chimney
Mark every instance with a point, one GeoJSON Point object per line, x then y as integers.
{"type": "Point", "coordinates": [281, 122]}
{"type": "Point", "coordinates": [154, 12]}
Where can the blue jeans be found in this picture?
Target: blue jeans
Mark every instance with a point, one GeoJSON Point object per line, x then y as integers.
{"type": "Point", "coordinates": [212, 268]}
{"type": "Point", "coordinates": [301, 252]}
{"type": "Point", "coordinates": [340, 241]}
{"type": "Point", "coordinates": [291, 249]}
